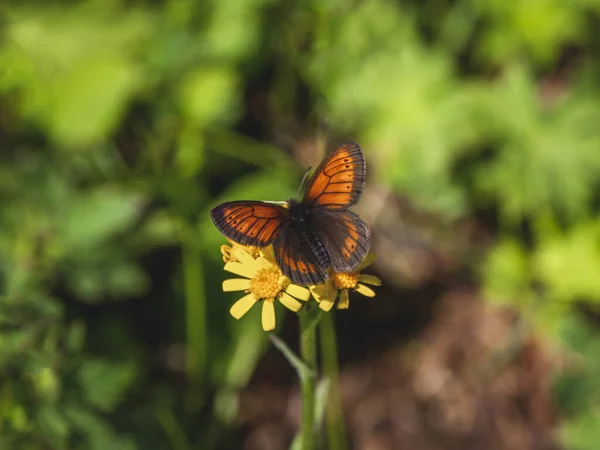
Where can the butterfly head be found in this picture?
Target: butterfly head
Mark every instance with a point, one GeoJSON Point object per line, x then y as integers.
{"type": "Point", "coordinates": [299, 213]}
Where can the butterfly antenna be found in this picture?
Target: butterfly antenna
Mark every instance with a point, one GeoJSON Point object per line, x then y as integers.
{"type": "Point", "coordinates": [302, 183]}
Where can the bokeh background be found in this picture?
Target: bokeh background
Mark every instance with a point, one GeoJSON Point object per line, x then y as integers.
{"type": "Point", "coordinates": [123, 122]}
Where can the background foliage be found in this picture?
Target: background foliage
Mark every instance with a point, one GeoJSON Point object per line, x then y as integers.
{"type": "Point", "coordinates": [122, 123]}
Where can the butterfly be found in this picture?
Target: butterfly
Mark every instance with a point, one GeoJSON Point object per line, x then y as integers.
{"type": "Point", "coordinates": [313, 235]}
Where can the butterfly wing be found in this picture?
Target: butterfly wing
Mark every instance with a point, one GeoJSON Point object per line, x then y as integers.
{"type": "Point", "coordinates": [295, 257]}
{"type": "Point", "coordinates": [249, 222]}
{"type": "Point", "coordinates": [339, 179]}
{"type": "Point", "coordinates": [344, 235]}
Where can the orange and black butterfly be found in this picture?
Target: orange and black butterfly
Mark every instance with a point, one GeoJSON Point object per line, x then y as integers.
{"type": "Point", "coordinates": [311, 236]}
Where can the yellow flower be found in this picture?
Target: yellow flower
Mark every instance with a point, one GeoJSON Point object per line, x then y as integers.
{"type": "Point", "coordinates": [228, 250]}
{"type": "Point", "coordinates": [263, 282]}
{"type": "Point", "coordinates": [337, 287]}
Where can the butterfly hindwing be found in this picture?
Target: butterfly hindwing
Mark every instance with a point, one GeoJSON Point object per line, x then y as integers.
{"type": "Point", "coordinates": [249, 222]}
{"type": "Point", "coordinates": [295, 257]}
{"type": "Point", "coordinates": [338, 181]}
{"type": "Point", "coordinates": [345, 237]}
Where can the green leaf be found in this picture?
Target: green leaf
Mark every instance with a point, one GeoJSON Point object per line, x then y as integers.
{"type": "Point", "coordinates": [506, 274]}
{"type": "Point", "coordinates": [190, 152]}
{"type": "Point", "coordinates": [47, 383]}
{"type": "Point", "coordinates": [82, 73]}
{"type": "Point", "coordinates": [576, 388]}
{"type": "Point", "coordinates": [126, 279]}
{"type": "Point", "coordinates": [538, 27]}
{"type": "Point", "coordinates": [97, 432]}
{"type": "Point", "coordinates": [415, 122]}
{"type": "Point", "coordinates": [209, 95]}
{"type": "Point", "coordinates": [52, 423]}
{"type": "Point", "coordinates": [234, 29]}
{"type": "Point", "coordinates": [105, 382]}
{"type": "Point", "coordinates": [160, 229]}
{"type": "Point", "coordinates": [97, 215]}
{"type": "Point", "coordinates": [301, 369]}
{"type": "Point", "coordinates": [569, 264]}
{"type": "Point", "coordinates": [75, 338]}
{"type": "Point", "coordinates": [85, 106]}
{"type": "Point", "coordinates": [582, 432]}
{"type": "Point", "coordinates": [532, 172]}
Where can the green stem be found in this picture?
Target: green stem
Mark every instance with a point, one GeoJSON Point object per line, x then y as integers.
{"type": "Point", "coordinates": [308, 351]}
{"type": "Point", "coordinates": [195, 301]}
{"type": "Point", "coordinates": [334, 414]}
{"type": "Point", "coordinates": [172, 429]}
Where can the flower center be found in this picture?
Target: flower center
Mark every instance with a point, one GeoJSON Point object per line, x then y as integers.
{"type": "Point", "coordinates": [266, 284]}
{"type": "Point", "coordinates": [345, 280]}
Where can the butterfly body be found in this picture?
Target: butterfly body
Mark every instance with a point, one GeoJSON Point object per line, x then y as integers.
{"type": "Point", "coordinates": [301, 218]}
{"type": "Point", "coordinates": [312, 236]}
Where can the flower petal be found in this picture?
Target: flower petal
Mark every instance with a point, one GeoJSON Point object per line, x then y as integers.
{"type": "Point", "coordinates": [324, 292]}
{"type": "Point", "coordinates": [290, 302]}
{"type": "Point", "coordinates": [263, 263]}
{"type": "Point", "coordinates": [226, 253]}
{"type": "Point", "coordinates": [267, 253]}
{"type": "Point", "coordinates": [240, 269]}
{"type": "Point", "coordinates": [364, 290]}
{"type": "Point", "coordinates": [268, 316]}
{"type": "Point", "coordinates": [242, 306]}
{"type": "Point", "coordinates": [301, 293]}
{"type": "Point", "coordinates": [369, 259]}
{"type": "Point", "coordinates": [326, 305]}
{"type": "Point", "coordinates": [369, 279]}
{"type": "Point", "coordinates": [236, 284]}
{"type": "Point", "coordinates": [244, 257]}
{"type": "Point", "coordinates": [344, 301]}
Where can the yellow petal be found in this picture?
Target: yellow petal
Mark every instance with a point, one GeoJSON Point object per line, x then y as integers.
{"type": "Point", "coordinates": [267, 253]}
{"type": "Point", "coordinates": [242, 306]}
{"type": "Point", "coordinates": [290, 302]}
{"type": "Point", "coordinates": [326, 305]}
{"type": "Point", "coordinates": [344, 301]}
{"type": "Point", "coordinates": [240, 269]}
{"type": "Point", "coordinates": [369, 279]}
{"type": "Point", "coordinates": [268, 316]}
{"type": "Point", "coordinates": [226, 253]}
{"type": "Point", "coordinates": [301, 293]}
{"type": "Point", "coordinates": [244, 258]}
{"type": "Point", "coordinates": [262, 263]}
{"type": "Point", "coordinates": [364, 290]}
{"type": "Point", "coordinates": [324, 292]}
{"type": "Point", "coordinates": [369, 259]}
{"type": "Point", "coordinates": [236, 284]}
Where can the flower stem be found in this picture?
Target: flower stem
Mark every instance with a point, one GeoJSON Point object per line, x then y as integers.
{"type": "Point", "coordinates": [334, 415]}
{"type": "Point", "coordinates": [308, 351]}
{"type": "Point", "coordinates": [195, 301]}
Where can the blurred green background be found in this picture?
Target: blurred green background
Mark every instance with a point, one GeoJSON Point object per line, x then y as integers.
{"type": "Point", "coordinates": [123, 122]}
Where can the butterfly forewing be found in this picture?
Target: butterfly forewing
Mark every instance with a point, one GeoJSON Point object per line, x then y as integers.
{"type": "Point", "coordinates": [344, 235]}
{"type": "Point", "coordinates": [338, 181]}
{"type": "Point", "coordinates": [249, 222]}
